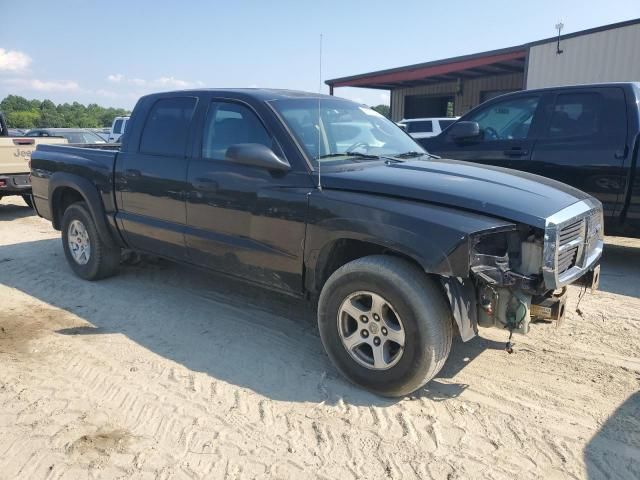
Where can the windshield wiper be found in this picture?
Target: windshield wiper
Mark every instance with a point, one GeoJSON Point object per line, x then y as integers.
{"type": "Point", "coordinates": [414, 154]}
{"type": "Point", "coordinates": [348, 154]}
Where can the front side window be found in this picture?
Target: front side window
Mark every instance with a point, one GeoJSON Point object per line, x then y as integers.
{"type": "Point", "coordinates": [506, 120]}
{"type": "Point", "coordinates": [230, 124]}
{"type": "Point", "coordinates": [167, 127]}
{"type": "Point", "coordinates": [423, 126]}
{"type": "Point", "coordinates": [575, 114]}
{"type": "Point", "coordinates": [338, 131]}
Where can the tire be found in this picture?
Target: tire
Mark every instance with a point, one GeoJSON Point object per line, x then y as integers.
{"type": "Point", "coordinates": [28, 200]}
{"type": "Point", "coordinates": [412, 297]}
{"type": "Point", "coordinates": [100, 260]}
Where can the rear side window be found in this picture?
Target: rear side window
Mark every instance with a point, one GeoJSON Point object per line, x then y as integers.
{"type": "Point", "coordinates": [117, 126]}
{"type": "Point", "coordinates": [229, 124]}
{"type": "Point", "coordinates": [420, 127]}
{"type": "Point", "coordinates": [576, 114]}
{"type": "Point", "coordinates": [167, 127]}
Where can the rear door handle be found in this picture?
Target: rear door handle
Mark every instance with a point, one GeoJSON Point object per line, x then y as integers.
{"type": "Point", "coordinates": [132, 172]}
{"type": "Point", "coordinates": [516, 152]}
{"type": "Point", "coordinates": [621, 153]}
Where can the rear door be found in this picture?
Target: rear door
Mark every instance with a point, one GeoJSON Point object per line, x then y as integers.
{"type": "Point", "coordinates": [583, 142]}
{"type": "Point", "coordinates": [507, 134]}
{"type": "Point", "coordinates": [152, 179]}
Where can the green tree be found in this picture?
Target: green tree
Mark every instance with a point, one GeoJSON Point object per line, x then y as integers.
{"type": "Point", "coordinates": [15, 103]}
{"type": "Point", "coordinates": [383, 110]}
{"type": "Point", "coordinates": [23, 113]}
{"type": "Point", "coordinates": [24, 119]}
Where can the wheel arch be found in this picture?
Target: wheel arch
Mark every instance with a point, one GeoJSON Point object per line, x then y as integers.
{"type": "Point", "coordinates": [340, 251]}
{"type": "Point", "coordinates": [66, 189]}
{"type": "Point", "coordinates": [459, 293]}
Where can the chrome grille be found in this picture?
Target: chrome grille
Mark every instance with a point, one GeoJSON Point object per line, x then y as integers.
{"type": "Point", "coordinates": [573, 242]}
{"type": "Point", "coordinates": [593, 231]}
{"type": "Point", "coordinates": [567, 259]}
{"type": "Point", "coordinates": [571, 232]}
{"type": "Point", "coordinates": [570, 244]}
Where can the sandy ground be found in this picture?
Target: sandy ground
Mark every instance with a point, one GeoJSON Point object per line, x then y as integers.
{"type": "Point", "coordinates": [168, 372]}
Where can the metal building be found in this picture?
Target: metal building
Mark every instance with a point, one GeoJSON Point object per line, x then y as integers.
{"type": "Point", "coordinates": [453, 86]}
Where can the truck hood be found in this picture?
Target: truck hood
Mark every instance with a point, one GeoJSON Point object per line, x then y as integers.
{"type": "Point", "coordinates": [509, 194]}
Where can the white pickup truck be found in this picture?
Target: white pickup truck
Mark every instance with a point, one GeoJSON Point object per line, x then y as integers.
{"type": "Point", "coordinates": [15, 154]}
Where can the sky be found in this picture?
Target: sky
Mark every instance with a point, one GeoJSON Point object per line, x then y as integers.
{"type": "Point", "coordinates": [112, 52]}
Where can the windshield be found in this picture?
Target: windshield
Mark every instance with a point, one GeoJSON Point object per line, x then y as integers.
{"type": "Point", "coordinates": [80, 137]}
{"type": "Point", "coordinates": [344, 131]}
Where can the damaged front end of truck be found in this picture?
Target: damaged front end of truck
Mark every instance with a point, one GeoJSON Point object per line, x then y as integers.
{"type": "Point", "coordinates": [519, 273]}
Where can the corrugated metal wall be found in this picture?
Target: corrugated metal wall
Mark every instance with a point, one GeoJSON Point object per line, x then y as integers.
{"type": "Point", "coordinates": [607, 56]}
{"type": "Point", "coordinates": [466, 93]}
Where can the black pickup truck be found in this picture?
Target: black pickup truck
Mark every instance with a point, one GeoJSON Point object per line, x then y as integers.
{"type": "Point", "coordinates": [321, 197]}
{"type": "Point", "coordinates": [587, 136]}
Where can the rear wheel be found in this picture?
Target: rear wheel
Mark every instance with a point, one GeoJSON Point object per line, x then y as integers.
{"type": "Point", "coordinates": [385, 324]}
{"type": "Point", "coordinates": [89, 257]}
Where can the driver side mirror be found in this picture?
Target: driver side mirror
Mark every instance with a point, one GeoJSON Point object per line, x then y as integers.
{"type": "Point", "coordinates": [461, 131]}
{"type": "Point", "coordinates": [257, 155]}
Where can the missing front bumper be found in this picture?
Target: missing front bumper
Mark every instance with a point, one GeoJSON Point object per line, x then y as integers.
{"type": "Point", "coordinates": [591, 279]}
{"type": "Point", "coordinates": [550, 308]}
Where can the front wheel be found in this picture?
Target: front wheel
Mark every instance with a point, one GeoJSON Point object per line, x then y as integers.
{"type": "Point", "coordinates": [385, 324]}
{"type": "Point", "coordinates": [89, 257]}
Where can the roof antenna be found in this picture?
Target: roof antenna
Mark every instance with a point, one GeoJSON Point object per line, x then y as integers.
{"type": "Point", "coordinates": [319, 118]}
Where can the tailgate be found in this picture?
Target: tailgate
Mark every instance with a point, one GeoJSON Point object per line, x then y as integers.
{"type": "Point", "coordinates": [15, 152]}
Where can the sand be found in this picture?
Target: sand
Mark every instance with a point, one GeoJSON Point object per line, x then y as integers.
{"type": "Point", "coordinates": [169, 372]}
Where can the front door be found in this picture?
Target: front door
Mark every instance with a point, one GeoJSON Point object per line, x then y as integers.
{"type": "Point", "coordinates": [506, 134]}
{"type": "Point", "coordinates": [244, 220]}
{"type": "Point", "coordinates": [152, 180]}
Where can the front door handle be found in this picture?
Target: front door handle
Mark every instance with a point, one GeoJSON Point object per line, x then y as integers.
{"type": "Point", "coordinates": [132, 172]}
{"type": "Point", "coordinates": [516, 152]}
{"type": "Point", "coordinates": [176, 194]}
{"type": "Point", "coordinates": [206, 184]}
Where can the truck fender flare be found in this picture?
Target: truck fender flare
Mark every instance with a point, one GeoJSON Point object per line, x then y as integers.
{"type": "Point", "coordinates": [464, 306]}
{"type": "Point", "coordinates": [89, 193]}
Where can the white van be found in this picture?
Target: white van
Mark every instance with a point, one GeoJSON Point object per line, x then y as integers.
{"type": "Point", "coordinates": [117, 129]}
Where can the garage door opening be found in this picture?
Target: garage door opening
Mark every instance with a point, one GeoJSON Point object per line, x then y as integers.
{"type": "Point", "coordinates": [421, 106]}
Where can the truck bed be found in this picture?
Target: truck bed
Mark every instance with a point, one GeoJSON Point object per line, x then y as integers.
{"type": "Point", "coordinates": [55, 163]}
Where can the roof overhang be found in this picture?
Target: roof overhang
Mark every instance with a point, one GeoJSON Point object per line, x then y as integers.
{"type": "Point", "coordinates": [495, 62]}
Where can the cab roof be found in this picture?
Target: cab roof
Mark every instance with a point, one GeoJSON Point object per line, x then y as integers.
{"type": "Point", "coordinates": [263, 94]}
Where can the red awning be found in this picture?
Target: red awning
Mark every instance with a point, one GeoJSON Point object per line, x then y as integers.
{"type": "Point", "coordinates": [469, 66]}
